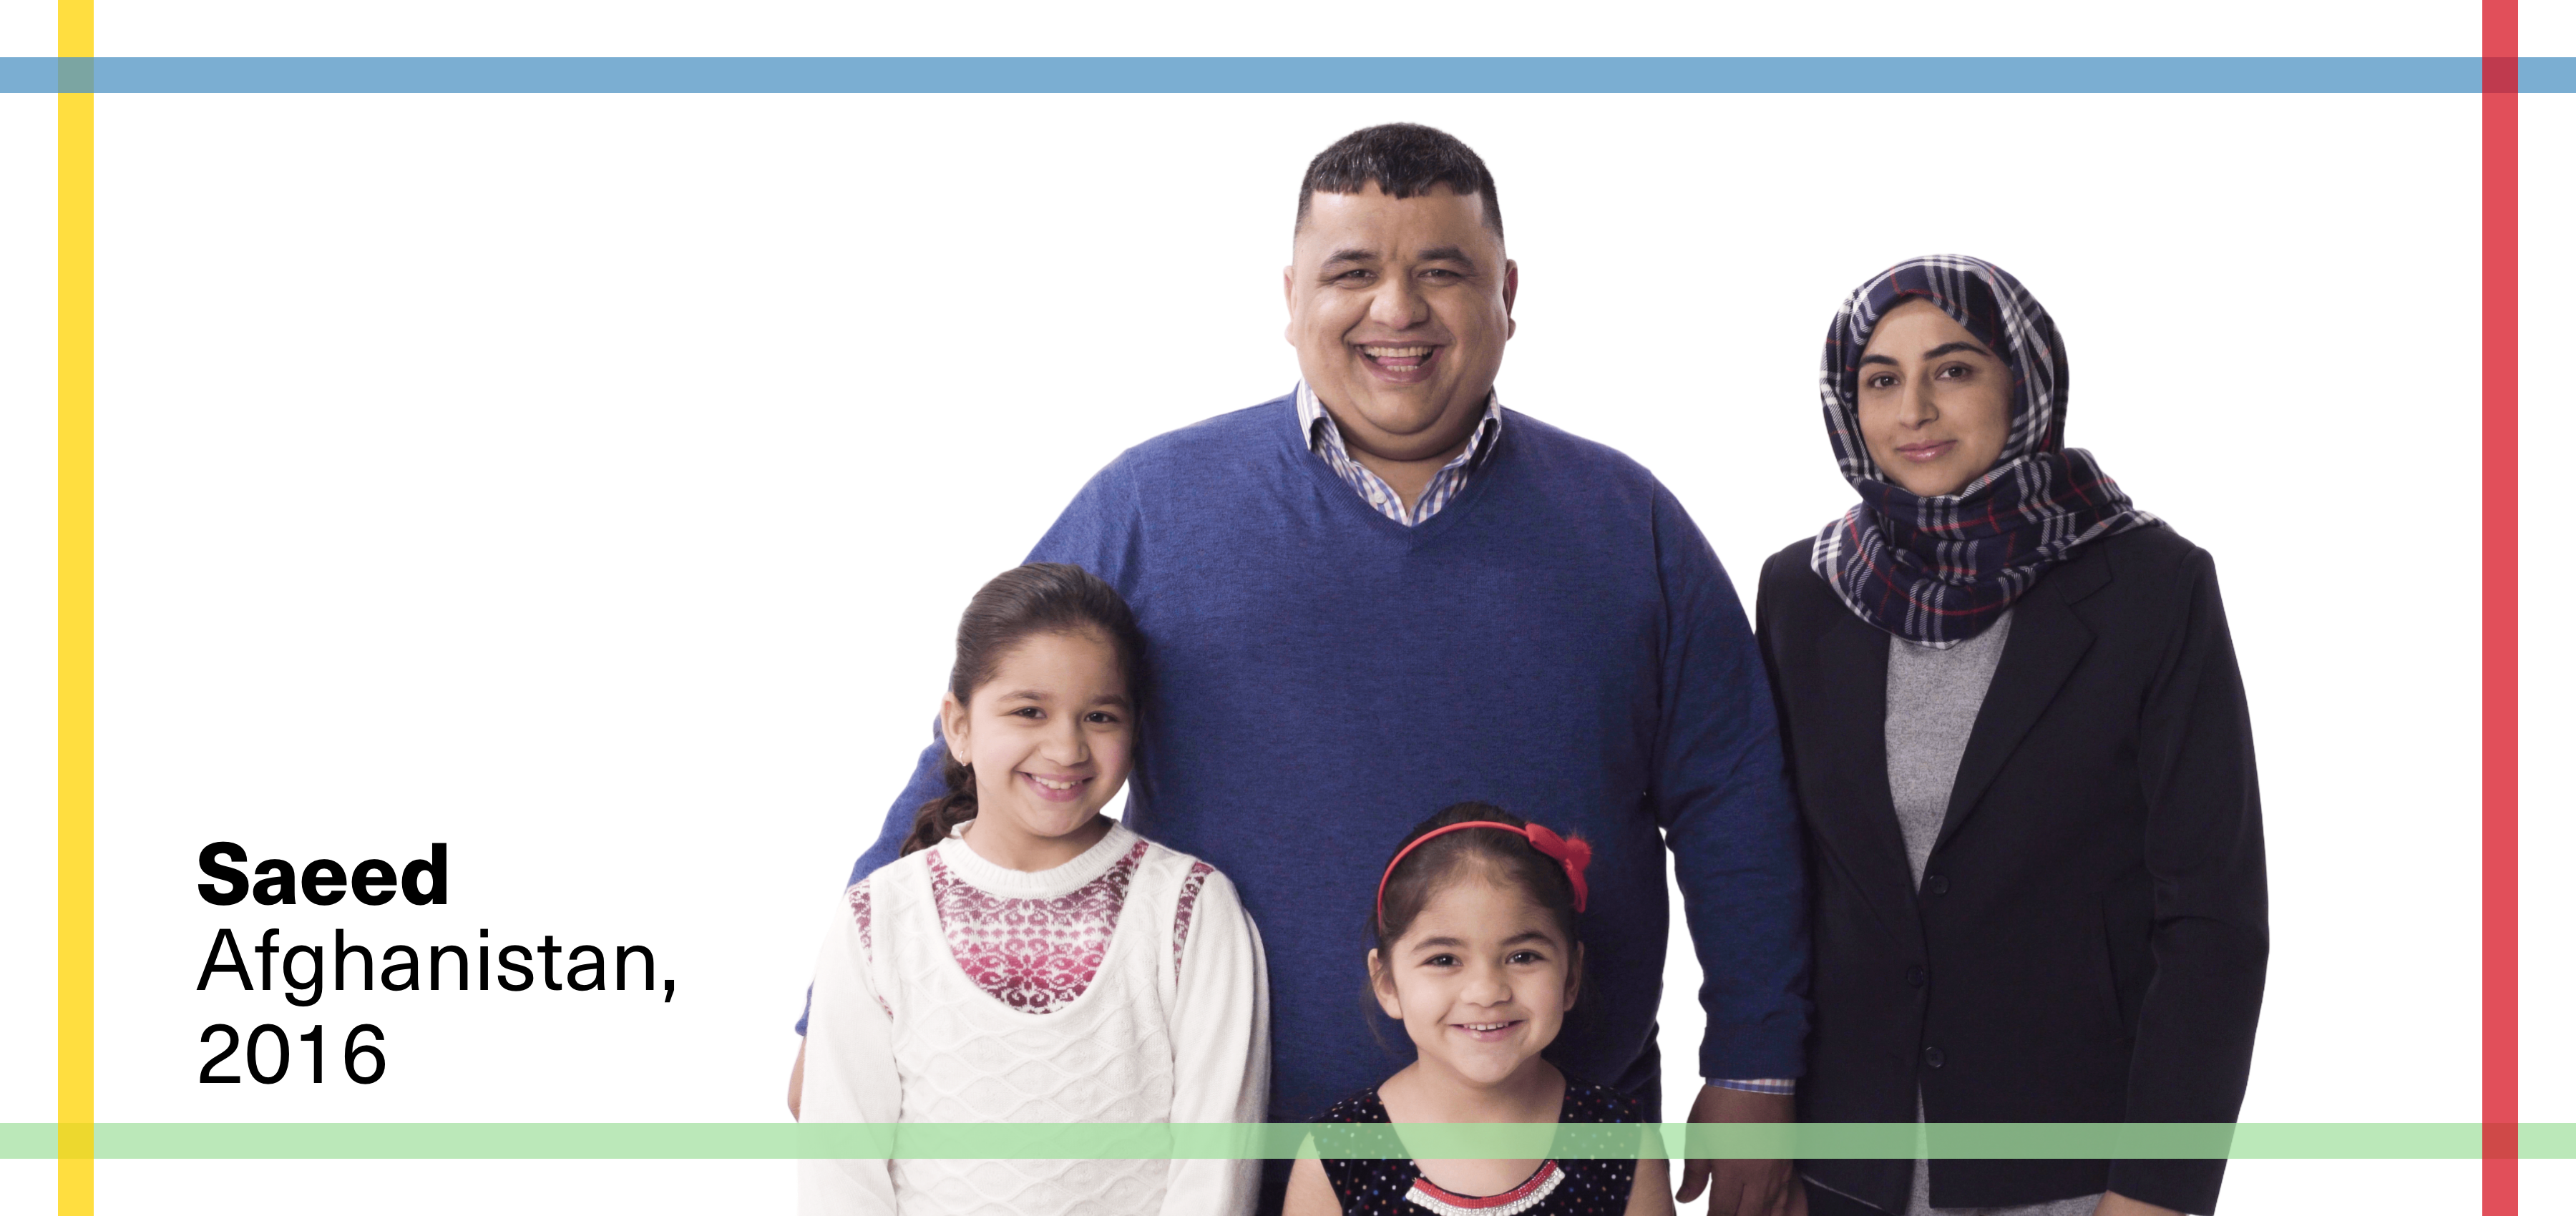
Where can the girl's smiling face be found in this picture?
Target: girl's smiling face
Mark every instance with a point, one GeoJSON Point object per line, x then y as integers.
{"type": "Point", "coordinates": [1481, 979]}
{"type": "Point", "coordinates": [1050, 736]}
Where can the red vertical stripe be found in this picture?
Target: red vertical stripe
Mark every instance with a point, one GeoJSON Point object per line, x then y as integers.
{"type": "Point", "coordinates": [2500, 1057]}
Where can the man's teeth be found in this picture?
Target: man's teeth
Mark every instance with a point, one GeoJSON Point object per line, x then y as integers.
{"type": "Point", "coordinates": [1053, 785]}
{"type": "Point", "coordinates": [1395, 352]}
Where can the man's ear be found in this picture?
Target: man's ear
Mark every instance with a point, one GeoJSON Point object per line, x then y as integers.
{"type": "Point", "coordinates": [1382, 985]}
{"type": "Point", "coordinates": [1511, 292]}
{"type": "Point", "coordinates": [1288, 293]}
{"type": "Point", "coordinates": [952, 727]}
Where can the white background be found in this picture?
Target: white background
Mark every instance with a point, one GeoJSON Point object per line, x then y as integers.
{"type": "Point", "coordinates": [2548, 832]}
{"type": "Point", "coordinates": [591, 483]}
{"type": "Point", "coordinates": [1401, 27]}
{"type": "Point", "coordinates": [27, 630]}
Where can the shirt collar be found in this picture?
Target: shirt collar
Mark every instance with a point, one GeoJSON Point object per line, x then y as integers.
{"type": "Point", "coordinates": [1322, 434]}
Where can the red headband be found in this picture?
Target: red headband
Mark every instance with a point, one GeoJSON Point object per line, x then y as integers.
{"type": "Point", "coordinates": [1572, 852]}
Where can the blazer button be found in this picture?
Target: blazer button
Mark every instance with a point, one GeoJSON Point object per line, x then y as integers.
{"type": "Point", "coordinates": [1936, 884]}
{"type": "Point", "coordinates": [1915, 976]}
{"type": "Point", "coordinates": [1931, 1057]}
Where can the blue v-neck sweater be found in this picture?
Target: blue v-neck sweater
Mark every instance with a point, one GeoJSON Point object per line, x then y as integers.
{"type": "Point", "coordinates": [1558, 641]}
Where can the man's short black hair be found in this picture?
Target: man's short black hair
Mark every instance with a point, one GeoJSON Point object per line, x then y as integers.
{"type": "Point", "coordinates": [1403, 159]}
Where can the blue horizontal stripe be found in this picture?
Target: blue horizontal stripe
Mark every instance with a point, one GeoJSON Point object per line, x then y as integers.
{"type": "Point", "coordinates": [2551, 75]}
{"type": "Point", "coordinates": [1270, 75]}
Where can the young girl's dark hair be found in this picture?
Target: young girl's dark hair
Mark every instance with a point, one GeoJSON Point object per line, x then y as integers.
{"type": "Point", "coordinates": [1021, 603]}
{"type": "Point", "coordinates": [1506, 858]}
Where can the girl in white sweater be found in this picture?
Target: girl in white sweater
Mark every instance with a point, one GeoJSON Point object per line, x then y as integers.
{"type": "Point", "coordinates": [1029, 961]}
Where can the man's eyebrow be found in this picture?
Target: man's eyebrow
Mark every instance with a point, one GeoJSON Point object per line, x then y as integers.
{"type": "Point", "coordinates": [1350, 255]}
{"type": "Point", "coordinates": [1444, 253]}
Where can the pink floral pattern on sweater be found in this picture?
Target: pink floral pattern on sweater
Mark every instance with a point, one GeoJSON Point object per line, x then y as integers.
{"type": "Point", "coordinates": [858, 895]}
{"type": "Point", "coordinates": [1199, 870]}
{"type": "Point", "coordinates": [1034, 955]}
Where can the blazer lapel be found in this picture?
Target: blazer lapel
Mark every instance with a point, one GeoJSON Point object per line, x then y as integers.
{"type": "Point", "coordinates": [1859, 819]}
{"type": "Point", "coordinates": [2047, 641]}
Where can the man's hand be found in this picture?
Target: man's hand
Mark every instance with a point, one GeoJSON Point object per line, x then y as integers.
{"type": "Point", "coordinates": [1742, 1188]}
{"type": "Point", "coordinates": [2117, 1204]}
{"type": "Point", "coordinates": [796, 1084]}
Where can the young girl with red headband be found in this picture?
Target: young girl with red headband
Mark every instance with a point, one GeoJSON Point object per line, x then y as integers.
{"type": "Point", "coordinates": [1026, 959]}
{"type": "Point", "coordinates": [1478, 956]}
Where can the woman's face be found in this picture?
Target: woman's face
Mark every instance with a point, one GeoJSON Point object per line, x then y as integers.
{"type": "Point", "coordinates": [1481, 979]}
{"type": "Point", "coordinates": [1935, 404]}
{"type": "Point", "coordinates": [1051, 737]}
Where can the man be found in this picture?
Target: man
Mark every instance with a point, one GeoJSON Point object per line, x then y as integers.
{"type": "Point", "coordinates": [1383, 594]}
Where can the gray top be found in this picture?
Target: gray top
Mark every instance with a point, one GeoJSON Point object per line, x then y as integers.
{"type": "Point", "coordinates": [1932, 701]}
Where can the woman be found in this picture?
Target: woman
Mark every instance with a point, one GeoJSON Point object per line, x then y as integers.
{"type": "Point", "coordinates": [2021, 752]}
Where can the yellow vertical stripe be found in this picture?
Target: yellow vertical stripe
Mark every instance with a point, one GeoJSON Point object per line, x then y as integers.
{"type": "Point", "coordinates": [75, 1097]}
{"type": "Point", "coordinates": [72, 26]}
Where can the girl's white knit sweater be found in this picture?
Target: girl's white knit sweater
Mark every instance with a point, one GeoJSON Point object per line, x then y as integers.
{"type": "Point", "coordinates": [1124, 986]}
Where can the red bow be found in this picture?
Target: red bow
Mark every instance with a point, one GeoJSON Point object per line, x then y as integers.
{"type": "Point", "coordinates": [1572, 852]}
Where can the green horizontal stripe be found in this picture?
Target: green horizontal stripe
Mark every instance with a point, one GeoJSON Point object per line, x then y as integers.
{"type": "Point", "coordinates": [1196, 1141]}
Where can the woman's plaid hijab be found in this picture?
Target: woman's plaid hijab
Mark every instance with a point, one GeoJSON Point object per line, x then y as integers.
{"type": "Point", "coordinates": [1939, 570]}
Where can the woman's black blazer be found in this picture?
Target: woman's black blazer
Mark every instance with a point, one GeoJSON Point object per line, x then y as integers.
{"type": "Point", "coordinates": [2089, 938]}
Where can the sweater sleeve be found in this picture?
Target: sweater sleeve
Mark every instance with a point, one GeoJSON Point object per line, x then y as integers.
{"type": "Point", "coordinates": [1221, 1041]}
{"type": "Point", "coordinates": [849, 1071]}
{"type": "Point", "coordinates": [1722, 799]}
{"type": "Point", "coordinates": [1097, 532]}
{"type": "Point", "coordinates": [2211, 935]}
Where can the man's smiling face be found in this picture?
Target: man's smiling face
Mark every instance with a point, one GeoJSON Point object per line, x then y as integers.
{"type": "Point", "coordinates": [1399, 308]}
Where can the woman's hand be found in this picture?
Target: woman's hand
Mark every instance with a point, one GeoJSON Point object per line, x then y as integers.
{"type": "Point", "coordinates": [2116, 1204]}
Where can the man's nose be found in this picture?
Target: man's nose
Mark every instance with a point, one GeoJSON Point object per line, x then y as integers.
{"type": "Point", "coordinates": [1398, 304]}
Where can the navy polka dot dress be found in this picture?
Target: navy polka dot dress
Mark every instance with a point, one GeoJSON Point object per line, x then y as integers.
{"type": "Point", "coordinates": [1578, 1186]}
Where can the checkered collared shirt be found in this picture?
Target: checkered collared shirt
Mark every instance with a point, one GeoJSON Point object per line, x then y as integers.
{"type": "Point", "coordinates": [1325, 439]}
